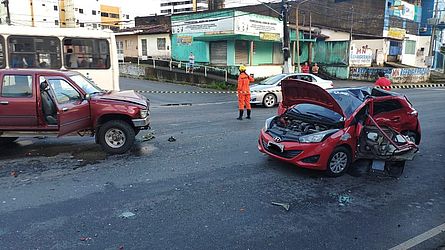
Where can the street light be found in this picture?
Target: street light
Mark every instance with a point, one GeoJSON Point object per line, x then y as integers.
{"type": "Point", "coordinates": [298, 35]}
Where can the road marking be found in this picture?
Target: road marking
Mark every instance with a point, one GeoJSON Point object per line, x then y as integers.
{"type": "Point", "coordinates": [191, 105]}
{"type": "Point", "coordinates": [432, 89]}
{"type": "Point", "coordinates": [420, 238]}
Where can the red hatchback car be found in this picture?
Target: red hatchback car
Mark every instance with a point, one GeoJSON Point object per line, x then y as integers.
{"type": "Point", "coordinates": [329, 129]}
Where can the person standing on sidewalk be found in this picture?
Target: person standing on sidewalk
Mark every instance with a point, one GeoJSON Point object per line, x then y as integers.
{"type": "Point", "coordinates": [315, 69]}
{"type": "Point", "coordinates": [191, 62]}
{"type": "Point", "coordinates": [305, 68]}
{"type": "Point", "coordinates": [243, 89]}
{"type": "Point", "coordinates": [383, 82]}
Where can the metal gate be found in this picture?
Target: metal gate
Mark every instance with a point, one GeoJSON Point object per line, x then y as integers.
{"type": "Point", "coordinates": [241, 52]}
{"type": "Point", "coordinates": [218, 53]}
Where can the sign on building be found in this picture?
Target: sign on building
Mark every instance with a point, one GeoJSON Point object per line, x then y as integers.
{"type": "Point", "coordinates": [254, 25]}
{"type": "Point", "coordinates": [270, 36]}
{"type": "Point", "coordinates": [360, 57]}
{"type": "Point", "coordinates": [396, 33]}
{"type": "Point", "coordinates": [405, 10]}
{"type": "Point", "coordinates": [218, 25]}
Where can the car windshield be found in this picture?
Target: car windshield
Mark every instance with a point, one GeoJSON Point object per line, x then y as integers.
{"type": "Point", "coordinates": [271, 80]}
{"type": "Point", "coordinates": [318, 112]}
{"type": "Point", "coordinates": [348, 102]}
{"type": "Point", "coordinates": [85, 84]}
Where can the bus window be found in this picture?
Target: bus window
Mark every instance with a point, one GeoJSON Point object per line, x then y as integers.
{"type": "Point", "coordinates": [83, 53]}
{"type": "Point", "coordinates": [34, 52]}
{"type": "Point", "coordinates": [2, 52]}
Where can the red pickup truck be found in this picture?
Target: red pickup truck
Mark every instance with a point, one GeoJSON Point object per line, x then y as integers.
{"type": "Point", "coordinates": [56, 103]}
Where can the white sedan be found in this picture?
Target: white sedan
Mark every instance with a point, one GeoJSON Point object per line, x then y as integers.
{"type": "Point", "coordinates": [268, 91]}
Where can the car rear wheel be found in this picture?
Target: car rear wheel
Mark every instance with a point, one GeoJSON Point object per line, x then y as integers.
{"type": "Point", "coordinates": [269, 100]}
{"type": "Point", "coordinates": [116, 137]}
{"type": "Point", "coordinates": [7, 140]}
{"type": "Point", "coordinates": [339, 161]}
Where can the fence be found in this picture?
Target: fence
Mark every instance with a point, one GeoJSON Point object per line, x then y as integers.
{"type": "Point", "coordinates": [136, 68]}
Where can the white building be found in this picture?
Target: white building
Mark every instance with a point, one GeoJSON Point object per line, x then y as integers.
{"type": "Point", "coordinates": [182, 6]}
{"type": "Point", "coordinates": [38, 13]}
{"type": "Point", "coordinates": [80, 14]}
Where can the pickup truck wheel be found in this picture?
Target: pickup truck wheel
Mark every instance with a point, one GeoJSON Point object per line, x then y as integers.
{"type": "Point", "coordinates": [116, 137]}
{"type": "Point", "coordinates": [7, 140]}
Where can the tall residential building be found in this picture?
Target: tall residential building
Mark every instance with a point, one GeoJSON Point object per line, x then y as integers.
{"type": "Point", "coordinates": [38, 13]}
{"type": "Point", "coordinates": [80, 14]}
{"type": "Point", "coordinates": [183, 6]}
{"type": "Point", "coordinates": [90, 14]}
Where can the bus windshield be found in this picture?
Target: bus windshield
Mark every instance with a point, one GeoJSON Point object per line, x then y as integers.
{"type": "Point", "coordinates": [85, 84]}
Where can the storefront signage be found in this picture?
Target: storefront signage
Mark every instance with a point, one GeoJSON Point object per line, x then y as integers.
{"type": "Point", "coordinates": [404, 10]}
{"type": "Point", "coordinates": [360, 57]}
{"type": "Point", "coordinates": [184, 40]}
{"type": "Point", "coordinates": [270, 36]}
{"type": "Point", "coordinates": [213, 25]}
{"type": "Point", "coordinates": [254, 25]}
{"type": "Point", "coordinates": [396, 33]}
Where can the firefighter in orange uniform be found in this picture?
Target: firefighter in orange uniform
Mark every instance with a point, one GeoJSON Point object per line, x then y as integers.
{"type": "Point", "coordinates": [244, 81]}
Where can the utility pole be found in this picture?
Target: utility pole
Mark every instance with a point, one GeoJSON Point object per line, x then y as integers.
{"type": "Point", "coordinates": [286, 43]}
{"type": "Point", "coordinates": [433, 34]}
{"type": "Point", "coordinates": [297, 32]}
{"type": "Point", "coordinates": [8, 15]}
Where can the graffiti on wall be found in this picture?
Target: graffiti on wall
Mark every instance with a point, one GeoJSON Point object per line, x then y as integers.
{"type": "Point", "coordinates": [396, 75]}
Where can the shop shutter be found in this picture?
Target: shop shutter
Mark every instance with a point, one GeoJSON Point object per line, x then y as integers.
{"type": "Point", "coordinates": [218, 53]}
{"type": "Point", "coordinates": [241, 52]}
{"type": "Point", "coordinates": [277, 54]}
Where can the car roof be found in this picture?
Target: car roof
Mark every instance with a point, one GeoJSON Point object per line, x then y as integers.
{"type": "Point", "coordinates": [39, 71]}
{"type": "Point", "coordinates": [363, 92]}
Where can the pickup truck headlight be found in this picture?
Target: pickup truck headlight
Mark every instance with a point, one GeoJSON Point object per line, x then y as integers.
{"type": "Point", "coordinates": [317, 137]}
{"type": "Point", "coordinates": [144, 113]}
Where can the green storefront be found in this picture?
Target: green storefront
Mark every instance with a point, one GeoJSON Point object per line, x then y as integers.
{"type": "Point", "coordinates": [227, 38]}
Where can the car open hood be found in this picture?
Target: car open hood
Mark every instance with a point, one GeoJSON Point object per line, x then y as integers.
{"type": "Point", "coordinates": [298, 91]}
{"type": "Point", "coordinates": [125, 96]}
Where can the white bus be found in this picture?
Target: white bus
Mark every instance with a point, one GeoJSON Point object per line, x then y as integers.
{"type": "Point", "coordinates": [90, 52]}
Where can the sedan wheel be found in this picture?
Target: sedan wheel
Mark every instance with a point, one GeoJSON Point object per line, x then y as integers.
{"type": "Point", "coordinates": [339, 161]}
{"type": "Point", "coordinates": [269, 100]}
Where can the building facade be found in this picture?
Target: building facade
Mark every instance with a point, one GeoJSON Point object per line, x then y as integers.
{"type": "Point", "coordinates": [37, 13]}
{"type": "Point", "coordinates": [183, 6]}
{"type": "Point", "coordinates": [229, 38]}
{"type": "Point", "coordinates": [143, 43]}
{"type": "Point", "coordinates": [66, 14]}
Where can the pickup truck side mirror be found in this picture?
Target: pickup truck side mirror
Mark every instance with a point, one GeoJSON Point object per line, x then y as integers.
{"type": "Point", "coordinates": [87, 97]}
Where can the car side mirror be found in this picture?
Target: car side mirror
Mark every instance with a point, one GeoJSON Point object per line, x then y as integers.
{"type": "Point", "coordinates": [279, 84]}
{"type": "Point", "coordinates": [87, 97]}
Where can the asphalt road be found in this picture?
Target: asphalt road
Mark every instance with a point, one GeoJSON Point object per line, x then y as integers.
{"type": "Point", "coordinates": [212, 189]}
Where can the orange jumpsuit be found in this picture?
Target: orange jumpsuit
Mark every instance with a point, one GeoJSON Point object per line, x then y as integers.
{"type": "Point", "coordinates": [243, 89]}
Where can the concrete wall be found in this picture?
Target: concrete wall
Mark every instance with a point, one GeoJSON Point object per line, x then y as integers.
{"type": "Point", "coordinates": [152, 45]}
{"type": "Point", "coordinates": [264, 71]}
{"type": "Point", "coordinates": [133, 70]}
{"type": "Point", "coordinates": [181, 52]}
{"type": "Point", "coordinates": [396, 75]}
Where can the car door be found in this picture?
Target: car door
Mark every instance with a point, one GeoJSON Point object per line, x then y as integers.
{"type": "Point", "coordinates": [18, 106]}
{"type": "Point", "coordinates": [387, 112]}
{"type": "Point", "coordinates": [72, 109]}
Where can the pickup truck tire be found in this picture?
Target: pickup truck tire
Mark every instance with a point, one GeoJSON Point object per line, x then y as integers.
{"type": "Point", "coordinates": [7, 140]}
{"type": "Point", "coordinates": [116, 137]}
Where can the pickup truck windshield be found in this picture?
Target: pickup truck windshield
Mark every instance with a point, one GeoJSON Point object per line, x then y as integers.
{"type": "Point", "coordinates": [85, 84]}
